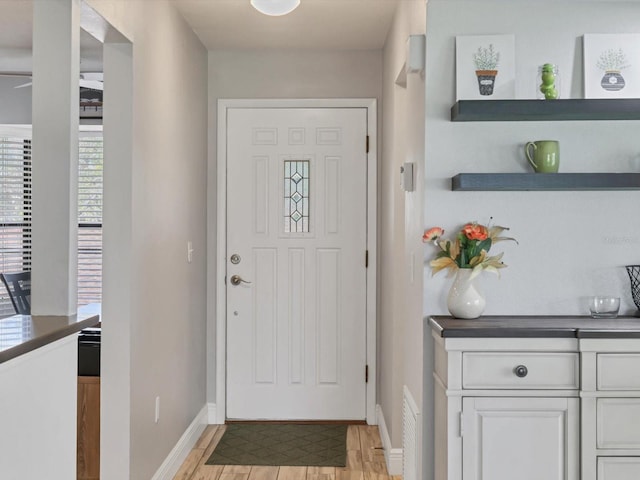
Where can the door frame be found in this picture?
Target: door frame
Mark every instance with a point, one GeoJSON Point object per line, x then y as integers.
{"type": "Point", "coordinates": [372, 231]}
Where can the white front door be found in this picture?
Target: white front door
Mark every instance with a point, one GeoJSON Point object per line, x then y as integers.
{"type": "Point", "coordinates": [296, 273]}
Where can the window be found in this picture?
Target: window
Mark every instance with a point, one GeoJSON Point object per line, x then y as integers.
{"type": "Point", "coordinates": [15, 208]}
{"type": "Point", "coordinates": [15, 211]}
{"type": "Point", "coordinates": [296, 196]}
{"type": "Point", "coordinates": [90, 220]}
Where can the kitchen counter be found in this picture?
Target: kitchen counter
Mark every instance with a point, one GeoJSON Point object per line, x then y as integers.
{"type": "Point", "coordinates": [555, 396]}
{"type": "Point", "coordinates": [21, 334]}
{"type": "Point", "coordinates": [536, 327]}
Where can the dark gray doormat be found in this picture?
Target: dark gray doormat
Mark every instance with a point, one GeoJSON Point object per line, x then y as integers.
{"type": "Point", "coordinates": [282, 445]}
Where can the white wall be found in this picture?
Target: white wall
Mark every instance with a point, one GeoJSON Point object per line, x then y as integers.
{"type": "Point", "coordinates": [275, 74]}
{"type": "Point", "coordinates": [400, 361]}
{"type": "Point", "coordinates": [16, 102]}
{"type": "Point", "coordinates": [572, 244]}
{"type": "Point", "coordinates": [163, 330]}
{"type": "Point", "coordinates": [38, 401]}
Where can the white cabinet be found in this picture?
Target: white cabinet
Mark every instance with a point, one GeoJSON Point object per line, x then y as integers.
{"type": "Point", "coordinates": [507, 408]}
{"type": "Point", "coordinates": [523, 438]}
{"type": "Point", "coordinates": [617, 423]}
{"type": "Point", "coordinates": [610, 408]}
{"type": "Point", "coordinates": [617, 371]}
{"type": "Point", "coordinates": [535, 408]}
{"type": "Point", "coordinates": [38, 413]}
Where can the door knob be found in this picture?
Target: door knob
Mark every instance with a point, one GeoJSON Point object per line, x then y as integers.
{"type": "Point", "coordinates": [237, 280]}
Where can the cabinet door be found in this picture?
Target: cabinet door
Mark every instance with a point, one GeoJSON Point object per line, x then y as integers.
{"type": "Point", "coordinates": [618, 468]}
{"type": "Point", "coordinates": [520, 438]}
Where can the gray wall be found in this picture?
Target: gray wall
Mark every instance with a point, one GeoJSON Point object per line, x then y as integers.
{"type": "Point", "coordinates": [275, 74]}
{"type": "Point", "coordinates": [571, 244]}
{"type": "Point", "coordinates": [400, 346]}
{"type": "Point", "coordinates": [163, 329]}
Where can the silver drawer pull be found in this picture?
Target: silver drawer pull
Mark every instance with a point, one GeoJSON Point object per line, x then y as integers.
{"type": "Point", "coordinates": [521, 371]}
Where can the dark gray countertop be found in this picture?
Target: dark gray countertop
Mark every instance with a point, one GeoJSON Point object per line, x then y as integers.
{"type": "Point", "coordinates": [21, 334]}
{"type": "Point", "coordinates": [536, 327]}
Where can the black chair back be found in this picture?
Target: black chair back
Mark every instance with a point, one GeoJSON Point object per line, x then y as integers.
{"type": "Point", "coordinates": [19, 288]}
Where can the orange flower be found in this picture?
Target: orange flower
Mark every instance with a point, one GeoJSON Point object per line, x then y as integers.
{"type": "Point", "coordinates": [432, 234]}
{"type": "Point", "coordinates": [474, 231]}
{"type": "Point", "coordinates": [469, 249]}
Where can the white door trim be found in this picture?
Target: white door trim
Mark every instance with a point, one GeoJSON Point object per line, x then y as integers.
{"type": "Point", "coordinates": [372, 215]}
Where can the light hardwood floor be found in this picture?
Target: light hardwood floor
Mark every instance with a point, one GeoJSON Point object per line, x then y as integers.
{"type": "Point", "coordinates": [365, 461]}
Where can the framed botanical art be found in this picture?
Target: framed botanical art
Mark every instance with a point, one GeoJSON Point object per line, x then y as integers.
{"type": "Point", "coordinates": [612, 65]}
{"type": "Point", "coordinates": [485, 67]}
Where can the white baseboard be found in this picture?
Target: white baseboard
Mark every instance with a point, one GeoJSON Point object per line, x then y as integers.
{"type": "Point", "coordinates": [392, 456]}
{"type": "Point", "coordinates": [179, 453]}
{"type": "Point", "coordinates": [212, 414]}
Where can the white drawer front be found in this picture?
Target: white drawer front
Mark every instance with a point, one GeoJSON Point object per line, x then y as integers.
{"type": "Point", "coordinates": [618, 371]}
{"type": "Point", "coordinates": [617, 423]}
{"type": "Point", "coordinates": [498, 370]}
{"type": "Point", "coordinates": [618, 468]}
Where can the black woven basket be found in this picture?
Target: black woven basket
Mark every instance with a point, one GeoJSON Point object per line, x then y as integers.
{"type": "Point", "coordinates": [634, 276]}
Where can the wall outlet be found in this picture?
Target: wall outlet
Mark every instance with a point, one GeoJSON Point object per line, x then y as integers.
{"type": "Point", "coordinates": [157, 417]}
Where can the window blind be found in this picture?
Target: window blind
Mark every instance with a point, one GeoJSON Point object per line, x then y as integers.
{"type": "Point", "coordinates": [15, 211]}
{"type": "Point", "coordinates": [90, 160]}
{"type": "Point", "coordinates": [15, 214]}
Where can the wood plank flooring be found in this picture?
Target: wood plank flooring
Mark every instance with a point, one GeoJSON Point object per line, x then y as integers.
{"type": "Point", "coordinates": [365, 461]}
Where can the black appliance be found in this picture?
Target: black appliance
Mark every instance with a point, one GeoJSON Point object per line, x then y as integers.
{"type": "Point", "coordinates": [89, 352]}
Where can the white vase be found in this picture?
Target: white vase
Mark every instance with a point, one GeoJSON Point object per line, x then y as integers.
{"type": "Point", "coordinates": [465, 299]}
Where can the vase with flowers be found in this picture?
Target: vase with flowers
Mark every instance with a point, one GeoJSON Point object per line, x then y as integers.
{"type": "Point", "coordinates": [467, 255]}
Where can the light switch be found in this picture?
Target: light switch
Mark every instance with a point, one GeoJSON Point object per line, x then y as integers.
{"type": "Point", "coordinates": [406, 176]}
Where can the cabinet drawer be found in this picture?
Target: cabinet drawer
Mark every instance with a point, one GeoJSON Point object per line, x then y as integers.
{"type": "Point", "coordinates": [618, 468]}
{"type": "Point", "coordinates": [618, 371]}
{"type": "Point", "coordinates": [504, 370]}
{"type": "Point", "coordinates": [617, 423]}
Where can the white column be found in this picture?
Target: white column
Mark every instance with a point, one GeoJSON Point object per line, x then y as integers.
{"type": "Point", "coordinates": [117, 262]}
{"type": "Point", "coordinates": [56, 71]}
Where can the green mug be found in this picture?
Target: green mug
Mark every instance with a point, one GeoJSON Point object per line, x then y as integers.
{"type": "Point", "coordinates": [543, 155]}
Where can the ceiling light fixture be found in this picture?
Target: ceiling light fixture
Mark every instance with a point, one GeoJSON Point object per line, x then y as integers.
{"type": "Point", "coordinates": [275, 8]}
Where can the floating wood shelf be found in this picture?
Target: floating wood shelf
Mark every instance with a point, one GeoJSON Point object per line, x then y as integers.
{"type": "Point", "coordinates": [545, 181]}
{"type": "Point", "coordinates": [545, 110]}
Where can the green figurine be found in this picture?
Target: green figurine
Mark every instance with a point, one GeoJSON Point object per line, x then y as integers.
{"type": "Point", "coordinates": [548, 86]}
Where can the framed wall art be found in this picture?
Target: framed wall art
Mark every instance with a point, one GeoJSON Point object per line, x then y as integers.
{"type": "Point", "coordinates": [612, 65]}
{"type": "Point", "coordinates": [485, 67]}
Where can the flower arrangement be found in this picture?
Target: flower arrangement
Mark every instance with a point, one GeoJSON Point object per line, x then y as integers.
{"type": "Point", "coordinates": [469, 249]}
